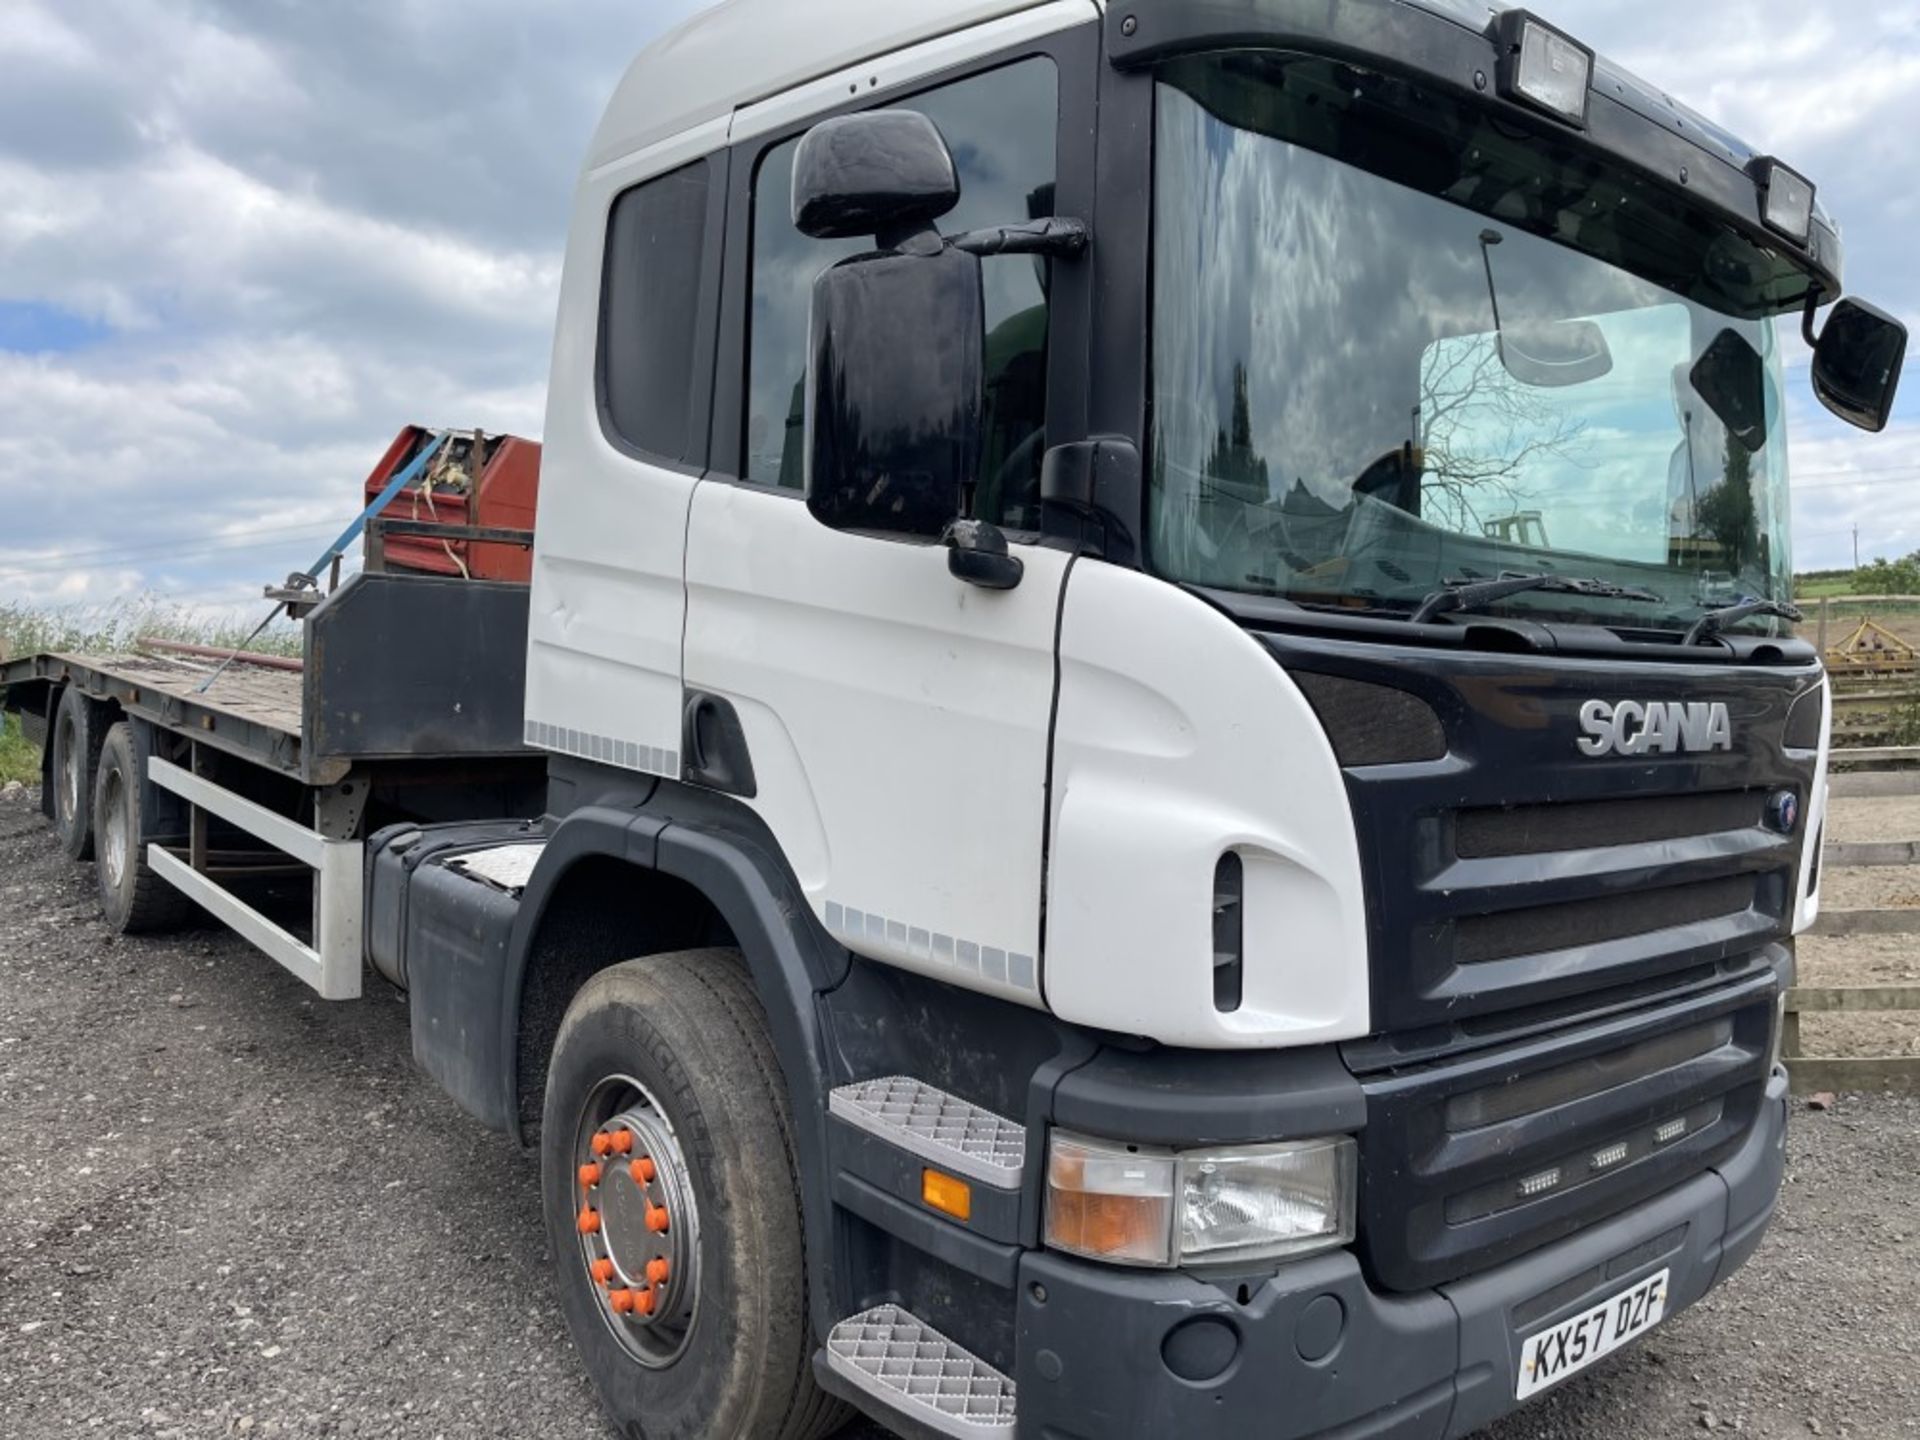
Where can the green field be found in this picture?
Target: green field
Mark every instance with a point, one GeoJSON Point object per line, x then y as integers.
{"type": "Point", "coordinates": [107, 629]}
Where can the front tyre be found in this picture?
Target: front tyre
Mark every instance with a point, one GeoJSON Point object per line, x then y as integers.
{"type": "Point", "coordinates": [673, 1207]}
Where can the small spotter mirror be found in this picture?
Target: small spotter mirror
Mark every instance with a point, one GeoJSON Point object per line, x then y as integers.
{"type": "Point", "coordinates": [1732, 378]}
{"type": "Point", "coordinates": [1856, 363]}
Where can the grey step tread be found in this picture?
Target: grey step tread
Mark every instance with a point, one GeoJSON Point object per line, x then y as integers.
{"type": "Point", "coordinates": [952, 1133]}
{"type": "Point", "coordinates": [910, 1366]}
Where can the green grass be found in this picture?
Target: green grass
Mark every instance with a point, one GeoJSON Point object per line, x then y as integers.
{"type": "Point", "coordinates": [18, 759]}
{"type": "Point", "coordinates": [108, 629]}
{"type": "Point", "coordinates": [1817, 587]}
{"type": "Point", "coordinates": [105, 629]}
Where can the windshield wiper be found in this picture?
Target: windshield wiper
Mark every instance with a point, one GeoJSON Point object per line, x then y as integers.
{"type": "Point", "coordinates": [1463, 595]}
{"type": "Point", "coordinates": [1714, 621]}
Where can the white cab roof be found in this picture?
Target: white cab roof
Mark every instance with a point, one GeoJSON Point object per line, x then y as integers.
{"type": "Point", "coordinates": [741, 51]}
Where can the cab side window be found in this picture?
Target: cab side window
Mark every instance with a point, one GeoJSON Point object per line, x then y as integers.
{"type": "Point", "coordinates": [657, 255]}
{"type": "Point", "coordinates": [1000, 126]}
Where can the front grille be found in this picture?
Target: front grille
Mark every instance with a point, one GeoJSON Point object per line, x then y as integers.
{"type": "Point", "coordinates": [1490, 833]}
{"type": "Point", "coordinates": [1480, 938]}
{"type": "Point", "coordinates": [1568, 952]}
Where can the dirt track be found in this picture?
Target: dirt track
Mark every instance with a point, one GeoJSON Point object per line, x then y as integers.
{"type": "Point", "coordinates": [227, 1208]}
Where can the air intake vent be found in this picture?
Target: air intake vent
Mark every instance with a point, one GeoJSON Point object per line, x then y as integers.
{"type": "Point", "coordinates": [1593, 825]}
{"type": "Point", "coordinates": [1229, 933]}
{"type": "Point", "coordinates": [1594, 922]}
{"type": "Point", "coordinates": [1373, 724]}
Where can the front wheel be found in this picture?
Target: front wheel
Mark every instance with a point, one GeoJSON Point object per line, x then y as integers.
{"type": "Point", "coordinates": [673, 1207]}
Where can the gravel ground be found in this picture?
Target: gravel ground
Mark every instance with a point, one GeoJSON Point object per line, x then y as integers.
{"type": "Point", "coordinates": [227, 1208]}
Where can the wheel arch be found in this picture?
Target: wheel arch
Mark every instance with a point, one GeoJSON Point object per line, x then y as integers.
{"type": "Point", "coordinates": [614, 885]}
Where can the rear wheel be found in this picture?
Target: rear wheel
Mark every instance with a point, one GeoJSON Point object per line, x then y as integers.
{"type": "Point", "coordinates": [74, 748]}
{"type": "Point", "coordinates": [673, 1206]}
{"type": "Point", "coordinates": [136, 900]}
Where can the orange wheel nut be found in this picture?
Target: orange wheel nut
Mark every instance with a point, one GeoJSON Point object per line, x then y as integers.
{"type": "Point", "coordinates": [622, 1142]}
{"type": "Point", "coordinates": [621, 1300]}
{"type": "Point", "coordinates": [642, 1170]}
{"type": "Point", "coordinates": [589, 1221]}
{"type": "Point", "coordinates": [589, 1175]}
{"type": "Point", "coordinates": [657, 1273]}
{"type": "Point", "coordinates": [656, 1218]}
{"type": "Point", "coordinates": [644, 1304]}
{"type": "Point", "coordinates": [602, 1144]}
{"type": "Point", "coordinates": [601, 1270]}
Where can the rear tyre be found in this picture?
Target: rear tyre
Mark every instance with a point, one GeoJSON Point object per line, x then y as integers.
{"type": "Point", "coordinates": [135, 899]}
{"type": "Point", "coordinates": [74, 748]}
{"type": "Point", "coordinates": [673, 1206]}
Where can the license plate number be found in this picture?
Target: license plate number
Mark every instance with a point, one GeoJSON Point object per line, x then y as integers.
{"type": "Point", "coordinates": [1571, 1346]}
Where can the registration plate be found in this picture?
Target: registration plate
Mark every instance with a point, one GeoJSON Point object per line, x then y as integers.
{"type": "Point", "coordinates": [1572, 1345]}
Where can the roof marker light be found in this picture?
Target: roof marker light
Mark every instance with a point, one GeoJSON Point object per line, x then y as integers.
{"type": "Point", "coordinates": [1788, 206]}
{"type": "Point", "coordinates": [1543, 67]}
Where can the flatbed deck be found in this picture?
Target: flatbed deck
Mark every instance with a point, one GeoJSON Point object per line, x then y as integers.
{"type": "Point", "coordinates": [402, 670]}
{"type": "Point", "coordinates": [406, 708]}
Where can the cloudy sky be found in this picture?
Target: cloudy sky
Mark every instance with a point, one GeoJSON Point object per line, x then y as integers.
{"type": "Point", "coordinates": [242, 242]}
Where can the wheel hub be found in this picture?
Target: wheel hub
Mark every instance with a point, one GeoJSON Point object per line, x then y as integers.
{"type": "Point", "coordinates": [115, 842]}
{"type": "Point", "coordinates": [70, 769]}
{"type": "Point", "coordinates": [638, 1226]}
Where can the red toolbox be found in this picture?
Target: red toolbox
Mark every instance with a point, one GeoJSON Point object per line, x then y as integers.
{"type": "Point", "coordinates": [489, 481]}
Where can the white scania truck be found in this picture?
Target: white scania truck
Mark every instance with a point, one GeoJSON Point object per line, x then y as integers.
{"type": "Point", "coordinates": [1158, 783]}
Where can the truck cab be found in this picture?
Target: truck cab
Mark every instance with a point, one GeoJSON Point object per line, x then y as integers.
{"type": "Point", "coordinates": [1154, 776]}
{"type": "Point", "coordinates": [1202, 592]}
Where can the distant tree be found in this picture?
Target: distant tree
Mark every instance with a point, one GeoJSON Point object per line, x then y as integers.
{"type": "Point", "coordinates": [1889, 577]}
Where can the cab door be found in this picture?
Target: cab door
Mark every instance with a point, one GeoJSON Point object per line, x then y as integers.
{"type": "Point", "coordinates": [896, 717]}
{"type": "Point", "coordinates": [626, 442]}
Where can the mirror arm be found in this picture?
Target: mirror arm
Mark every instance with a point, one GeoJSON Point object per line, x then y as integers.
{"type": "Point", "coordinates": [977, 553]}
{"type": "Point", "coordinates": [1054, 236]}
{"type": "Point", "coordinates": [1815, 296]}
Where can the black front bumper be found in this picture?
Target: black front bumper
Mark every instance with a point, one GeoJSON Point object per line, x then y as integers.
{"type": "Point", "coordinates": [1313, 1351]}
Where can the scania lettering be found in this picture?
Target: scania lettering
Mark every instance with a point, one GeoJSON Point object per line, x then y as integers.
{"type": "Point", "coordinates": [1655, 728]}
{"type": "Point", "coordinates": [1154, 778]}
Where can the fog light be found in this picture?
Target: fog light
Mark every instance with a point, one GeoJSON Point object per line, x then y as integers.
{"type": "Point", "coordinates": [1608, 1158]}
{"type": "Point", "coordinates": [1543, 67]}
{"type": "Point", "coordinates": [1789, 203]}
{"type": "Point", "coordinates": [1132, 1205]}
{"type": "Point", "coordinates": [1535, 1185]}
{"type": "Point", "coordinates": [1671, 1131]}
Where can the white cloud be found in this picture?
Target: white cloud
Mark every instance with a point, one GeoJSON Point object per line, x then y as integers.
{"type": "Point", "coordinates": [277, 235]}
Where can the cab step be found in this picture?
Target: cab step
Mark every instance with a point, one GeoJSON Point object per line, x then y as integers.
{"type": "Point", "coordinates": [942, 1129]}
{"type": "Point", "coordinates": [914, 1371]}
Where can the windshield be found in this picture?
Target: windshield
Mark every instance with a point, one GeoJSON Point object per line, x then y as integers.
{"type": "Point", "coordinates": [1397, 345]}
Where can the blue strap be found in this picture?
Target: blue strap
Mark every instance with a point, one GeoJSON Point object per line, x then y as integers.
{"type": "Point", "coordinates": [384, 499]}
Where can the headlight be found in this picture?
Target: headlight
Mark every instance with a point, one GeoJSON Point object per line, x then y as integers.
{"type": "Point", "coordinates": [1135, 1205]}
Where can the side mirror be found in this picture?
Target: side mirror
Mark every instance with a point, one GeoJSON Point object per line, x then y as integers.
{"type": "Point", "coordinates": [1856, 363]}
{"type": "Point", "coordinates": [896, 357]}
{"type": "Point", "coordinates": [882, 173]}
